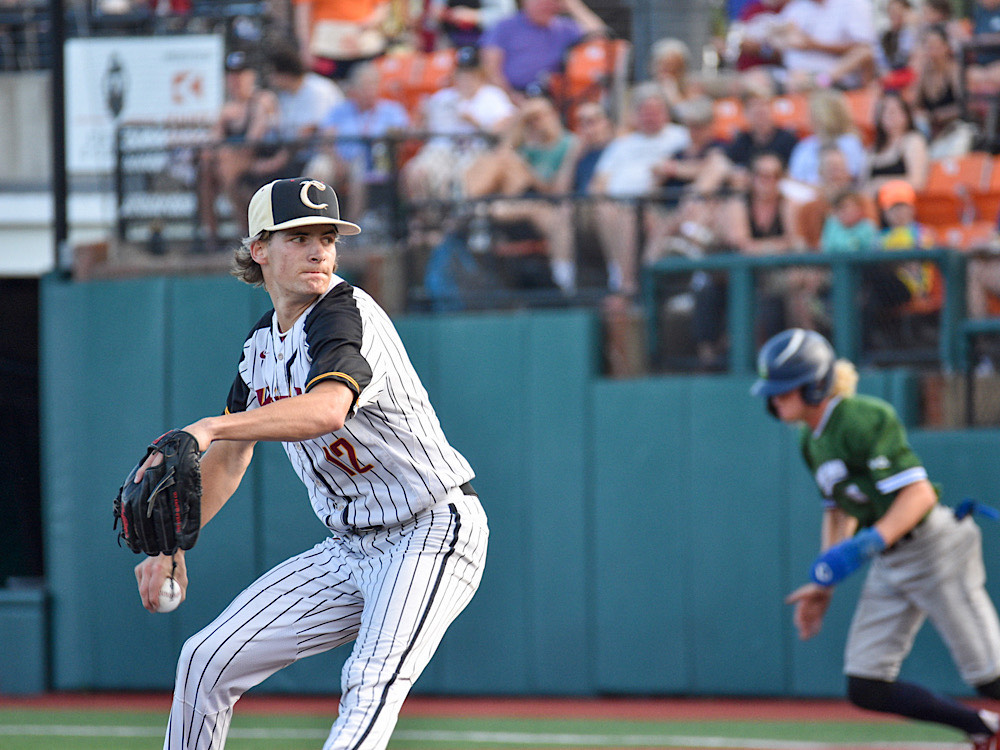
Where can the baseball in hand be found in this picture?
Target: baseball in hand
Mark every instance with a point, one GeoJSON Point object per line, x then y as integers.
{"type": "Point", "coordinates": [170, 596]}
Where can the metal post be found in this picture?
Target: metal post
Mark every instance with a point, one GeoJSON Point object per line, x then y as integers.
{"type": "Point", "coordinates": [952, 344]}
{"type": "Point", "coordinates": [740, 317]}
{"type": "Point", "coordinates": [846, 338]}
{"type": "Point", "coordinates": [60, 188]}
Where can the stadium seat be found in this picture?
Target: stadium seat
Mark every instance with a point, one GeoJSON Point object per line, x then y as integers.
{"type": "Point", "coordinates": [792, 112]}
{"type": "Point", "coordinates": [966, 236]}
{"type": "Point", "coordinates": [594, 70]}
{"type": "Point", "coordinates": [435, 71]}
{"type": "Point", "coordinates": [861, 103]}
{"type": "Point", "coordinates": [987, 205]}
{"type": "Point", "coordinates": [940, 209]}
{"type": "Point", "coordinates": [728, 118]}
{"type": "Point", "coordinates": [960, 174]}
{"type": "Point", "coordinates": [949, 198]}
{"type": "Point", "coordinates": [398, 72]}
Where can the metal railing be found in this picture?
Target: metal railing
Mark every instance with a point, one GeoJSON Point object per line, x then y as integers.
{"type": "Point", "coordinates": [845, 285]}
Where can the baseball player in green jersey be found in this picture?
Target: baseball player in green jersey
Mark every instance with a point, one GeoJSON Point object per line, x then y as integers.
{"type": "Point", "coordinates": [879, 505]}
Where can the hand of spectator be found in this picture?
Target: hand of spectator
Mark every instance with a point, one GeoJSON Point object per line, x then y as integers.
{"type": "Point", "coordinates": [798, 39]}
{"type": "Point", "coordinates": [783, 35]}
{"type": "Point", "coordinates": [665, 169]}
{"type": "Point", "coordinates": [461, 16]}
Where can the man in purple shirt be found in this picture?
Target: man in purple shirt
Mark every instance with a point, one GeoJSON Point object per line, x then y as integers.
{"type": "Point", "coordinates": [526, 47]}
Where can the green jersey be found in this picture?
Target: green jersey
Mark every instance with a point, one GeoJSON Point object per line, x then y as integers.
{"type": "Point", "coordinates": [860, 457]}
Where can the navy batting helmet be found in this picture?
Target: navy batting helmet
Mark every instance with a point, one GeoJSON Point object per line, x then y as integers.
{"type": "Point", "coordinates": [792, 359]}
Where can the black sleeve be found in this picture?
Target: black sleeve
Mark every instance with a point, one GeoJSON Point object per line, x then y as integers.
{"type": "Point", "coordinates": [238, 396]}
{"type": "Point", "coordinates": [738, 150]}
{"type": "Point", "coordinates": [333, 334]}
{"type": "Point", "coordinates": [239, 393]}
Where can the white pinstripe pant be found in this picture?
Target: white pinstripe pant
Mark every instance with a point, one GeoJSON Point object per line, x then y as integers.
{"type": "Point", "coordinates": [395, 591]}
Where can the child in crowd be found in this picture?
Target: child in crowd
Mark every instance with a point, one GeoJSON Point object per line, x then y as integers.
{"type": "Point", "coordinates": [922, 280]}
{"type": "Point", "coordinates": [848, 228]}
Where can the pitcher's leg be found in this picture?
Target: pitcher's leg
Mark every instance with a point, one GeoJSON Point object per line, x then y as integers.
{"type": "Point", "coordinates": [305, 605]}
{"type": "Point", "coordinates": [413, 592]}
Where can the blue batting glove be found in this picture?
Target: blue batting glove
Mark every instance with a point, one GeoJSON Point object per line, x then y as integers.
{"type": "Point", "coordinates": [969, 507]}
{"type": "Point", "coordinates": [844, 558]}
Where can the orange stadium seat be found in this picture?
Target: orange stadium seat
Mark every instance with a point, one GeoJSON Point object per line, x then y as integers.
{"type": "Point", "coordinates": [436, 70]}
{"type": "Point", "coordinates": [949, 197]}
{"type": "Point", "coordinates": [987, 199]}
{"type": "Point", "coordinates": [987, 205]}
{"type": "Point", "coordinates": [792, 112]}
{"type": "Point", "coordinates": [940, 209]}
{"type": "Point", "coordinates": [960, 174]}
{"type": "Point", "coordinates": [594, 70]}
{"type": "Point", "coordinates": [966, 236]}
{"type": "Point", "coordinates": [398, 72]}
{"type": "Point", "coordinates": [861, 103]}
{"type": "Point", "coordinates": [728, 118]}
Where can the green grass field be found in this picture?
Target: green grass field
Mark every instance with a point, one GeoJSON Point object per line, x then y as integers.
{"type": "Point", "coordinates": [40, 729]}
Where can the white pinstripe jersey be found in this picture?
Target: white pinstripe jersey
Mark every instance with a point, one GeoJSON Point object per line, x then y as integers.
{"type": "Point", "coordinates": [391, 458]}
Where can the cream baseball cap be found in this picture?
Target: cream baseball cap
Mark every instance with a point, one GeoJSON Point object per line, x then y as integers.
{"type": "Point", "coordinates": [298, 202]}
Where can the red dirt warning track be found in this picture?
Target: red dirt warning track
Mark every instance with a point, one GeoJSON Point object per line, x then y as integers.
{"type": "Point", "coordinates": [666, 709]}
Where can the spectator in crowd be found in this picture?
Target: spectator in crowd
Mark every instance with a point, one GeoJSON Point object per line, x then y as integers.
{"type": "Point", "coordinates": [695, 166]}
{"type": "Point", "coordinates": [531, 161]}
{"type": "Point", "coordinates": [595, 131]}
{"type": "Point", "coordinates": [453, 117]}
{"type": "Point", "coordinates": [527, 47]}
{"type": "Point", "coordinates": [759, 221]}
{"type": "Point", "coordinates": [983, 73]}
{"type": "Point", "coordinates": [831, 124]}
{"type": "Point", "coordinates": [625, 171]}
{"type": "Point", "coordinates": [669, 63]}
{"type": "Point", "coordinates": [336, 35]}
{"type": "Point", "coordinates": [304, 99]}
{"type": "Point", "coordinates": [897, 44]}
{"type": "Point", "coordinates": [755, 223]}
{"type": "Point", "coordinates": [848, 228]}
{"type": "Point", "coordinates": [362, 155]}
{"type": "Point", "coordinates": [245, 132]}
{"type": "Point", "coordinates": [690, 174]}
{"type": "Point", "coordinates": [577, 219]}
{"type": "Point", "coordinates": [762, 135]}
{"type": "Point", "coordinates": [942, 13]}
{"type": "Point", "coordinates": [753, 46]}
{"type": "Point", "coordinates": [826, 42]}
{"type": "Point", "coordinates": [900, 149]}
{"type": "Point", "coordinates": [939, 96]}
{"type": "Point", "coordinates": [534, 147]}
{"type": "Point", "coordinates": [462, 22]}
{"type": "Point", "coordinates": [835, 179]}
{"type": "Point", "coordinates": [914, 284]}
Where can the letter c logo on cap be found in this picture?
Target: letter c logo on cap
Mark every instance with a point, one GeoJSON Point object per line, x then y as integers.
{"type": "Point", "coordinates": [304, 194]}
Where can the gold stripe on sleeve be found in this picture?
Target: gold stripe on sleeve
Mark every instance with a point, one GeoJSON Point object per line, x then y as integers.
{"type": "Point", "coordinates": [351, 381]}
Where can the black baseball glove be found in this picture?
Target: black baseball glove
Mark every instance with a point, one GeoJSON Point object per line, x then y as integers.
{"type": "Point", "coordinates": [163, 511]}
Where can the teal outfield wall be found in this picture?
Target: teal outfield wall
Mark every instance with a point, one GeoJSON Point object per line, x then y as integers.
{"type": "Point", "coordinates": [644, 532]}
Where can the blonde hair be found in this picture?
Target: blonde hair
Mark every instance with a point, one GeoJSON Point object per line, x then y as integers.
{"type": "Point", "coordinates": [845, 378]}
{"type": "Point", "coordinates": [669, 47]}
{"type": "Point", "coordinates": [830, 114]}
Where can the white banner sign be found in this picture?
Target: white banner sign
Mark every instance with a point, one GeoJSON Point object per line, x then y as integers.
{"type": "Point", "coordinates": [112, 80]}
